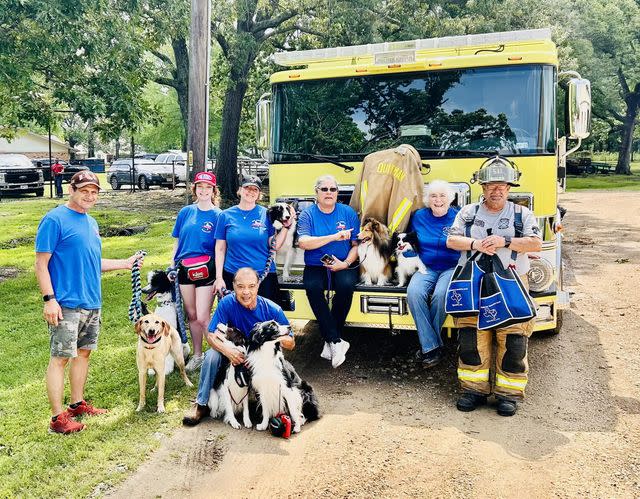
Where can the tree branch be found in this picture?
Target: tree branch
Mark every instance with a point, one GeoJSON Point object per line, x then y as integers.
{"type": "Point", "coordinates": [623, 82]}
{"type": "Point", "coordinates": [608, 119]}
{"type": "Point", "coordinates": [283, 31]}
{"type": "Point", "coordinates": [273, 22]}
{"type": "Point", "coordinates": [222, 41]}
{"type": "Point", "coordinates": [167, 82]}
{"type": "Point", "coordinates": [163, 57]}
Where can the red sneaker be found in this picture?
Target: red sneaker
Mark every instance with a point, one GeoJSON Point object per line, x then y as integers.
{"type": "Point", "coordinates": [65, 425]}
{"type": "Point", "coordinates": [85, 409]}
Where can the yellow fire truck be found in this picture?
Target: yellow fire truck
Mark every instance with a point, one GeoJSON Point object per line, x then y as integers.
{"type": "Point", "coordinates": [457, 100]}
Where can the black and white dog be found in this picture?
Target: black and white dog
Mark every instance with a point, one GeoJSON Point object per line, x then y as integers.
{"type": "Point", "coordinates": [408, 262]}
{"type": "Point", "coordinates": [161, 288]}
{"type": "Point", "coordinates": [276, 382]}
{"type": "Point", "coordinates": [230, 392]}
{"type": "Point", "coordinates": [280, 214]}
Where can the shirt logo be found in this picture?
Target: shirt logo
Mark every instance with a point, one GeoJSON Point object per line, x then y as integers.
{"type": "Point", "coordinates": [341, 225]}
{"type": "Point", "coordinates": [207, 227]}
{"type": "Point", "coordinates": [257, 224]}
{"type": "Point", "coordinates": [446, 230]}
{"type": "Point", "coordinates": [503, 223]}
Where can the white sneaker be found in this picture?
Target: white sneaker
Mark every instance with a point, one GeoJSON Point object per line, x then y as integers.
{"type": "Point", "coordinates": [326, 351]}
{"type": "Point", "coordinates": [194, 363]}
{"type": "Point", "coordinates": [338, 352]}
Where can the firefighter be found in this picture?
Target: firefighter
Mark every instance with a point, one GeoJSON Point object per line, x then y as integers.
{"type": "Point", "coordinates": [494, 226]}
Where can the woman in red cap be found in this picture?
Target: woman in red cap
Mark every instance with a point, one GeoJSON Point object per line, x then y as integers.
{"type": "Point", "coordinates": [194, 258]}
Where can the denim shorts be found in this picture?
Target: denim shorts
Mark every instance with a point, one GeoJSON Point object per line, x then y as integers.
{"type": "Point", "coordinates": [78, 329]}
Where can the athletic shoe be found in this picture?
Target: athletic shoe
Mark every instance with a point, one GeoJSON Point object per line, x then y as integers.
{"type": "Point", "coordinates": [326, 351]}
{"type": "Point", "coordinates": [469, 401]}
{"type": "Point", "coordinates": [338, 352]}
{"type": "Point", "coordinates": [201, 412]}
{"type": "Point", "coordinates": [65, 425]}
{"type": "Point", "coordinates": [194, 363]}
{"type": "Point", "coordinates": [85, 409]}
{"type": "Point", "coordinates": [506, 407]}
{"type": "Point", "coordinates": [429, 359]}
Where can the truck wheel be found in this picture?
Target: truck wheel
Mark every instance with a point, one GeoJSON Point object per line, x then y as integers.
{"type": "Point", "coordinates": [115, 185]}
{"type": "Point", "coordinates": [559, 319]}
{"type": "Point", "coordinates": [40, 193]}
{"type": "Point", "coordinates": [143, 183]}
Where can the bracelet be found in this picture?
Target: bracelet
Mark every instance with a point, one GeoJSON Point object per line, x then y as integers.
{"type": "Point", "coordinates": [472, 241]}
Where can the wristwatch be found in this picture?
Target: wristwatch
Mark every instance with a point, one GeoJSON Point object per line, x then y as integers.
{"type": "Point", "coordinates": [507, 241]}
{"type": "Point", "coordinates": [48, 297]}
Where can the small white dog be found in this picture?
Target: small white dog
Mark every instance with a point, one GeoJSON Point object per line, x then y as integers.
{"type": "Point", "coordinates": [406, 250]}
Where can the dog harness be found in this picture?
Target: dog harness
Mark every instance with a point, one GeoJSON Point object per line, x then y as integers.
{"type": "Point", "coordinates": [135, 307]}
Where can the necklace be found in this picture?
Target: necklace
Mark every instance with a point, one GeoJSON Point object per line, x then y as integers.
{"type": "Point", "coordinates": [250, 212]}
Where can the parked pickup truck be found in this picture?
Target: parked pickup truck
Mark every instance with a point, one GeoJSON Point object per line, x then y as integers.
{"type": "Point", "coordinates": [19, 176]}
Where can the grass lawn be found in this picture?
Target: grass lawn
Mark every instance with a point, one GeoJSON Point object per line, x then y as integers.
{"type": "Point", "coordinates": [34, 463]}
{"type": "Point", "coordinates": [603, 181]}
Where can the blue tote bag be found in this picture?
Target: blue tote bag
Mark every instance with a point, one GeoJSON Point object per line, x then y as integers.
{"type": "Point", "coordinates": [463, 293]}
{"type": "Point", "coordinates": [503, 298]}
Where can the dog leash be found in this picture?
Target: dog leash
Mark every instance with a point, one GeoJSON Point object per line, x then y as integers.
{"type": "Point", "coordinates": [172, 274]}
{"type": "Point", "coordinates": [135, 307]}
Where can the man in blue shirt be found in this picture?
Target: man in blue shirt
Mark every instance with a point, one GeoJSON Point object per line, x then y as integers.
{"type": "Point", "coordinates": [68, 266]}
{"type": "Point", "coordinates": [241, 309]}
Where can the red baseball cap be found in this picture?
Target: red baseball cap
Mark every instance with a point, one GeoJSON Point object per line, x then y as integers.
{"type": "Point", "coordinates": [205, 178]}
{"type": "Point", "coordinates": [85, 177]}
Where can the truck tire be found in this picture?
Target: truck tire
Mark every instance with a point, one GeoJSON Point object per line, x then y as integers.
{"type": "Point", "coordinates": [115, 185]}
{"type": "Point", "coordinates": [40, 192]}
{"type": "Point", "coordinates": [143, 183]}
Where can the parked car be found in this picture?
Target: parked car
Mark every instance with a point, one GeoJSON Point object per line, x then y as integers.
{"type": "Point", "coordinates": [174, 161]}
{"type": "Point", "coordinates": [44, 166]}
{"type": "Point", "coordinates": [18, 175]}
{"type": "Point", "coordinates": [145, 174]}
{"type": "Point", "coordinates": [96, 165]}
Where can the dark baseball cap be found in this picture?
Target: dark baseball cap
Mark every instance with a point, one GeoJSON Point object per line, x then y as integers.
{"type": "Point", "coordinates": [248, 180]}
{"type": "Point", "coordinates": [85, 177]}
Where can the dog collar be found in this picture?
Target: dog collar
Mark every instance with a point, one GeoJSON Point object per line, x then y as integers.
{"type": "Point", "coordinates": [409, 254]}
{"type": "Point", "coordinates": [165, 303]}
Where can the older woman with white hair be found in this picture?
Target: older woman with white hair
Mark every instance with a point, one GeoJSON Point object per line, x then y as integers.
{"type": "Point", "coordinates": [431, 225]}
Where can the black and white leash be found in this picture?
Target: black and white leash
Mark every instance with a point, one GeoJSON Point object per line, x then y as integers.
{"type": "Point", "coordinates": [135, 307]}
{"type": "Point", "coordinates": [172, 274]}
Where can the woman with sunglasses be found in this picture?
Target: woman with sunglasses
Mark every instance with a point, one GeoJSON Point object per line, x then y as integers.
{"type": "Point", "coordinates": [243, 239]}
{"type": "Point", "coordinates": [327, 232]}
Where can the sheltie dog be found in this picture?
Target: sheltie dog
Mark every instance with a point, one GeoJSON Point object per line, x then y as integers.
{"type": "Point", "coordinates": [406, 250]}
{"type": "Point", "coordinates": [275, 381]}
{"type": "Point", "coordinates": [161, 288]}
{"type": "Point", "coordinates": [279, 214]}
{"type": "Point", "coordinates": [374, 252]}
{"type": "Point", "coordinates": [230, 391]}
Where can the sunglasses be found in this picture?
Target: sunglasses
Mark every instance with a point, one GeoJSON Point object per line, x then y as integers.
{"type": "Point", "coordinates": [328, 189]}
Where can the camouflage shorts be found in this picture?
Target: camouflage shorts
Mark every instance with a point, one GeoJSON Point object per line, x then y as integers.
{"type": "Point", "coordinates": [79, 328]}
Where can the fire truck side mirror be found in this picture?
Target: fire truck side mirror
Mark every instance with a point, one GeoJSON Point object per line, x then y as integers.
{"type": "Point", "coordinates": [263, 122]}
{"type": "Point", "coordinates": [578, 112]}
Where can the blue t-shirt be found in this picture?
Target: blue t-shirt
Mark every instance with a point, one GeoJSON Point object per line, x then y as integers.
{"type": "Point", "coordinates": [247, 234]}
{"type": "Point", "coordinates": [313, 222]}
{"type": "Point", "coordinates": [232, 313]}
{"type": "Point", "coordinates": [195, 229]}
{"type": "Point", "coordinates": [74, 242]}
{"type": "Point", "coordinates": [432, 235]}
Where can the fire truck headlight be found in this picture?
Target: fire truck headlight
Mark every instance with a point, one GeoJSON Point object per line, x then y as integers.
{"type": "Point", "coordinates": [540, 275]}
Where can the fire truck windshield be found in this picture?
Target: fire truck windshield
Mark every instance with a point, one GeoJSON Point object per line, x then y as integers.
{"type": "Point", "coordinates": [510, 110]}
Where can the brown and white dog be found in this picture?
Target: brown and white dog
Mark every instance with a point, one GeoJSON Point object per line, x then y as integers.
{"type": "Point", "coordinates": [374, 252]}
{"type": "Point", "coordinates": [156, 340]}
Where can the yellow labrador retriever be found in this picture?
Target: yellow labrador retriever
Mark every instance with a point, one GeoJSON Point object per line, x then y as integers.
{"type": "Point", "coordinates": [156, 340]}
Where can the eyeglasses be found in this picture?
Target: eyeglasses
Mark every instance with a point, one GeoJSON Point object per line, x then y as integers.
{"type": "Point", "coordinates": [328, 189]}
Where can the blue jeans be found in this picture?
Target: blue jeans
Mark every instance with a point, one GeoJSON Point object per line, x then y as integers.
{"type": "Point", "coordinates": [208, 371]}
{"type": "Point", "coordinates": [58, 181]}
{"type": "Point", "coordinates": [428, 317]}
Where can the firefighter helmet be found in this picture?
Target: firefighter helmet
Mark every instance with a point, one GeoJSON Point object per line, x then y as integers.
{"type": "Point", "coordinates": [497, 169]}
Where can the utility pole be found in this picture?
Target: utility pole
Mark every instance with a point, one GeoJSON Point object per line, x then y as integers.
{"type": "Point", "coordinates": [199, 62]}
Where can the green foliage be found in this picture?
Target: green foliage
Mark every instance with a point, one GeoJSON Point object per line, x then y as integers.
{"type": "Point", "coordinates": [32, 462]}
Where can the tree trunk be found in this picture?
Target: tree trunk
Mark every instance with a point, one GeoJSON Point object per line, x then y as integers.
{"type": "Point", "coordinates": [623, 167]}
{"type": "Point", "coordinates": [91, 140]}
{"type": "Point", "coordinates": [181, 77]}
{"type": "Point", "coordinates": [226, 165]}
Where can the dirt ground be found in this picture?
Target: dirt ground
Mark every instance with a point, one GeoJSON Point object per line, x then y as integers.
{"type": "Point", "coordinates": [390, 429]}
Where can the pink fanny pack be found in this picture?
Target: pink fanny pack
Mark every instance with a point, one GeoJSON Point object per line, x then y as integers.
{"type": "Point", "coordinates": [197, 267]}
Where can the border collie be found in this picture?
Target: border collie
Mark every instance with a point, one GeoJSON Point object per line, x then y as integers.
{"type": "Point", "coordinates": [275, 381]}
{"type": "Point", "coordinates": [280, 213]}
{"type": "Point", "coordinates": [161, 288]}
{"type": "Point", "coordinates": [374, 252]}
{"type": "Point", "coordinates": [230, 391]}
{"type": "Point", "coordinates": [406, 249]}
